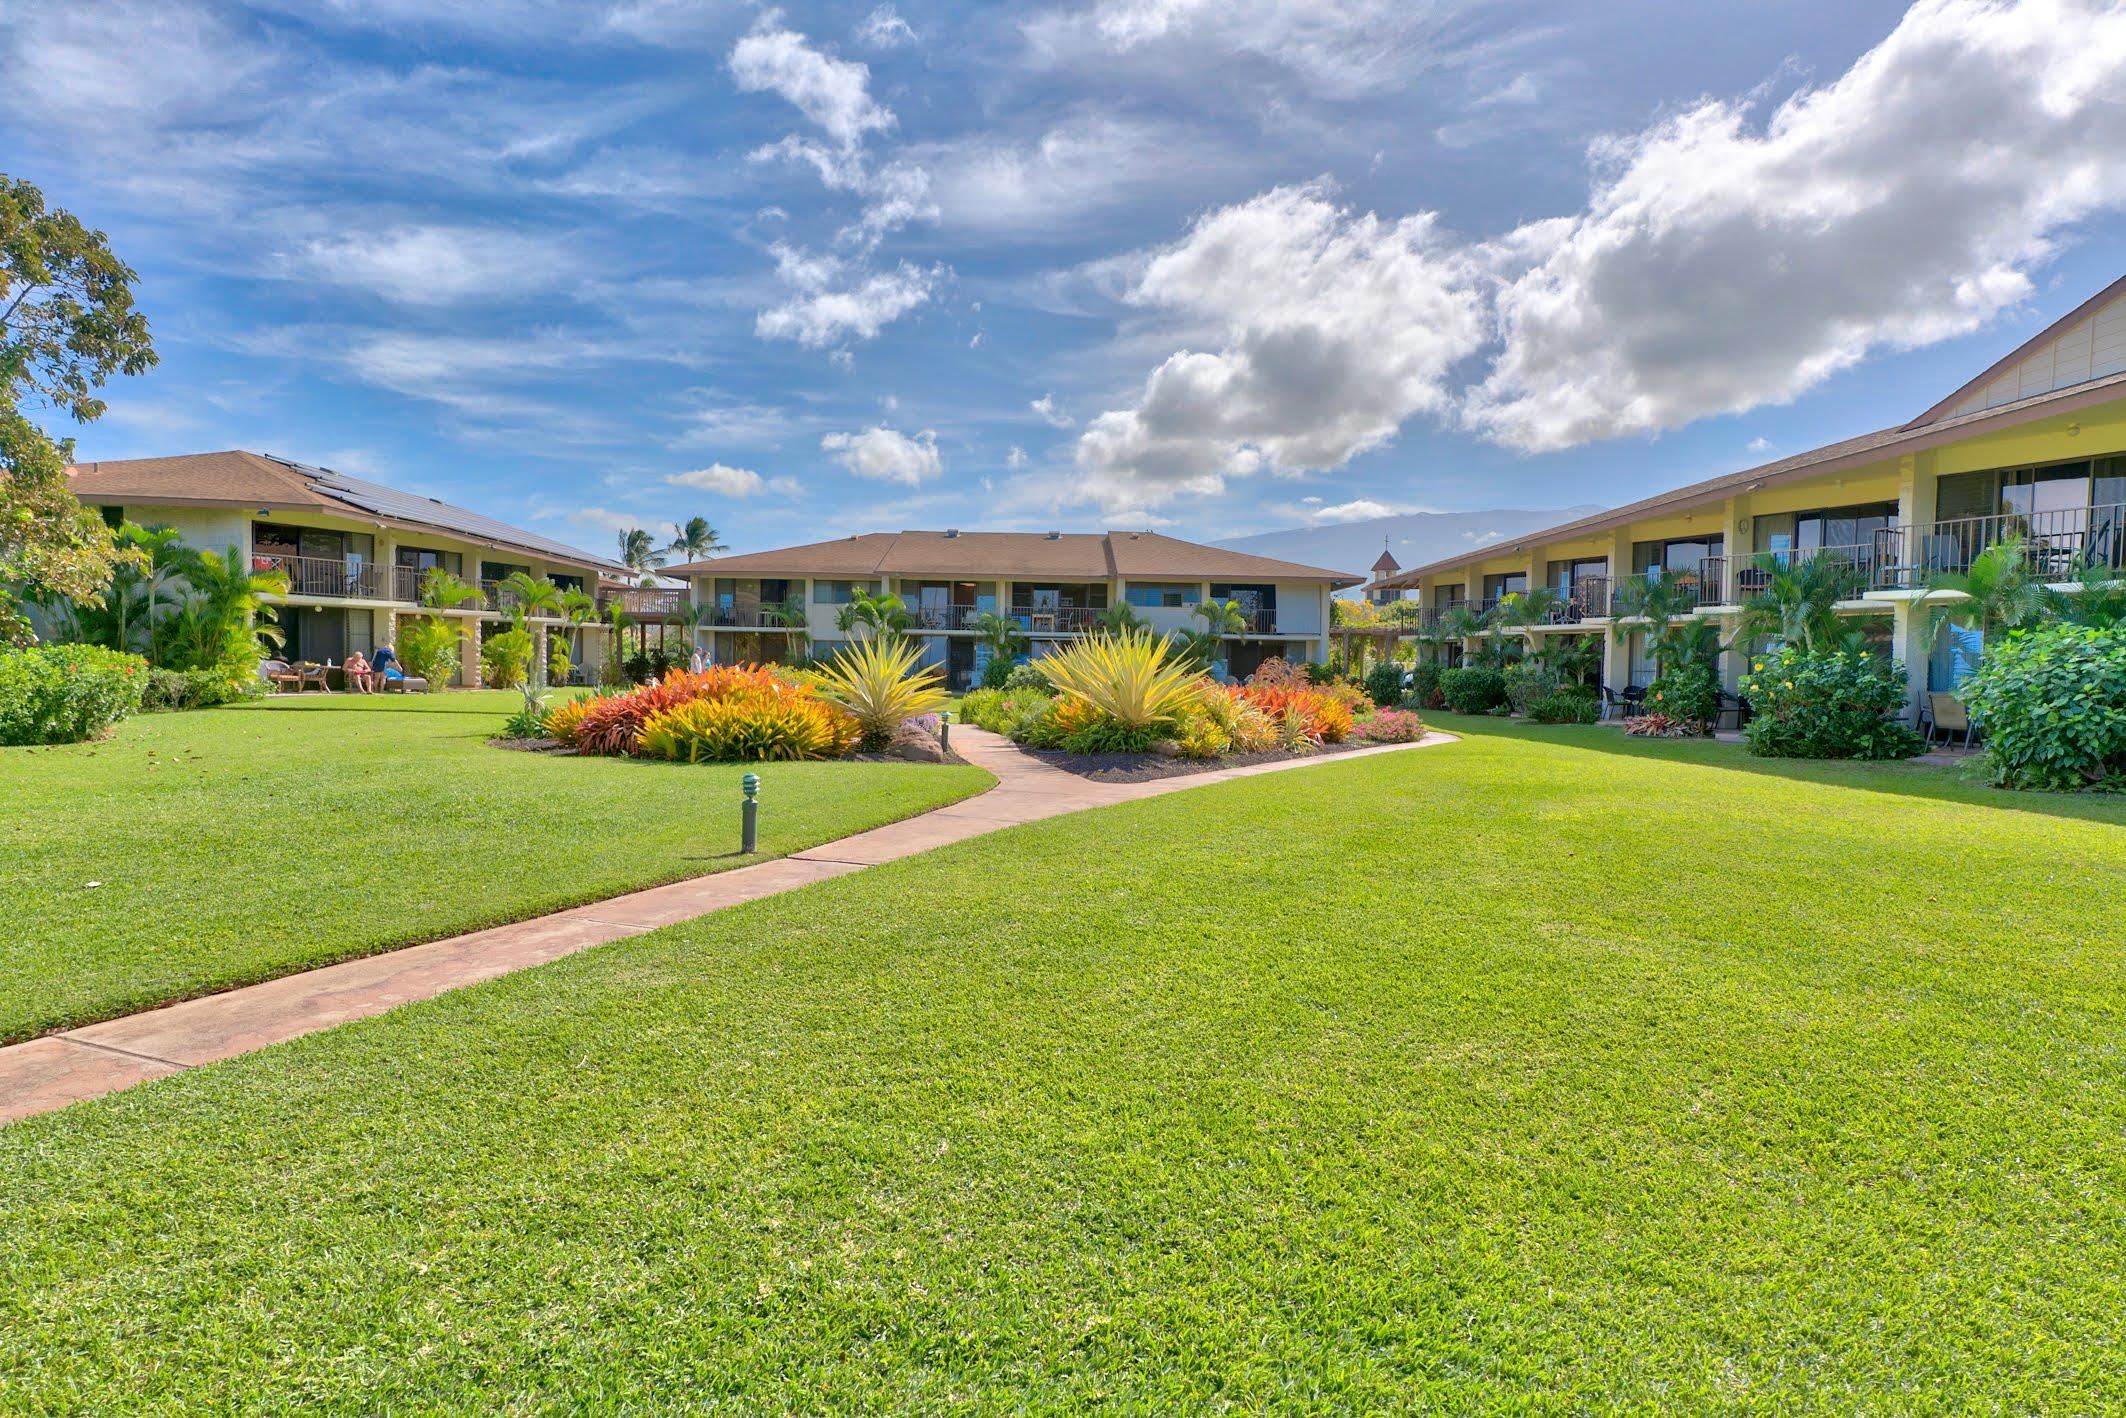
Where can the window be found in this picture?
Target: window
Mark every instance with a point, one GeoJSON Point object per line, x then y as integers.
{"type": "Point", "coordinates": [1564, 575]}
{"type": "Point", "coordinates": [836, 593]}
{"type": "Point", "coordinates": [1679, 554]}
{"type": "Point", "coordinates": [422, 559]}
{"type": "Point", "coordinates": [113, 517]}
{"type": "Point", "coordinates": [1506, 583]}
{"type": "Point", "coordinates": [1163, 595]}
{"type": "Point", "coordinates": [1452, 594]}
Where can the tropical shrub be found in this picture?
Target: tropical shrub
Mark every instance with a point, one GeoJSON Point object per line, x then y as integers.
{"type": "Point", "coordinates": [562, 721]}
{"type": "Point", "coordinates": [1278, 671]}
{"type": "Point", "coordinates": [878, 679]}
{"type": "Point", "coordinates": [1829, 704]}
{"type": "Point", "coordinates": [1322, 719]}
{"type": "Point", "coordinates": [1002, 711]}
{"type": "Point", "coordinates": [66, 693]}
{"type": "Point", "coordinates": [2052, 703]}
{"type": "Point", "coordinates": [776, 725]}
{"type": "Point", "coordinates": [1029, 676]}
{"type": "Point", "coordinates": [1134, 678]}
{"type": "Point", "coordinates": [529, 722]}
{"type": "Point", "coordinates": [1526, 683]}
{"type": "Point", "coordinates": [166, 690]}
{"type": "Point", "coordinates": [1661, 726]}
{"type": "Point", "coordinates": [1566, 706]}
{"type": "Point", "coordinates": [1393, 726]}
{"type": "Point", "coordinates": [1351, 696]}
{"type": "Point", "coordinates": [1424, 688]}
{"type": "Point", "coordinates": [1690, 692]}
{"type": "Point", "coordinates": [997, 673]}
{"type": "Point", "coordinates": [1473, 689]}
{"type": "Point", "coordinates": [428, 648]}
{"type": "Point", "coordinates": [613, 725]}
{"type": "Point", "coordinates": [1384, 684]}
{"type": "Point", "coordinates": [505, 659]}
{"type": "Point", "coordinates": [558, 662]}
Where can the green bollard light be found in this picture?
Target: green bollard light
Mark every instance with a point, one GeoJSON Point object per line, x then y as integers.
{"type": "Point", "coordinates": [945, 730]}
{"type": "Point", "coordinates": [749, 818]}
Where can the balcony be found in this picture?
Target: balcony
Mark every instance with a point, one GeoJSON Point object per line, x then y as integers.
{"type": "Point", "coordinates": [1866, 566]}
{"type": "Point", "coordinates": [340, 579]}
{"type": "Point", "coordinates": [2057, 543]}
{"type": "Point", "coordinates": [1704, 584]}
{"type": "Point", "coordinates": [496, 596]}
{"type": "Point", "coordinates": [1046, 620]}
{"type": "Point", "coordinates": [944, 617]}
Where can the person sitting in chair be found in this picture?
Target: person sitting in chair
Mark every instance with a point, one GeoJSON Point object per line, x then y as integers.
{"type": "Point", "coordinates": [358, 673]}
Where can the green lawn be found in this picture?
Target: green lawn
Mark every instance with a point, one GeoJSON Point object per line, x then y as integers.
{"type": "Point", "coordinates": [1540, 1072]}
{"type": "Point", "coordinates": [236, 844]}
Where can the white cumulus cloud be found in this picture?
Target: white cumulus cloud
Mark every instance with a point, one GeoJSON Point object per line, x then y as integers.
{"type": "Point", "coordinates": [1339, 325]}
{"type": "Point", "coordinates": [886, 455]}
{"type": "Point", "coordinates": [1724, 263]}
{"type": "Point", "coordinates": [721, 478]}
{"type": "Point", "coordinates": [1045, 408]}
{"type": "Point", "coordinates": [833, 303]}
{"type": "Point", "coordinates": [834, 93]}
{"type": "Point", "coordinates": [883, 28]}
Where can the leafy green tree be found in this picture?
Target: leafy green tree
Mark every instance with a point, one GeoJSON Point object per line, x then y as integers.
{"type": "Point", "coordinates": [695, 541]}
{"type": "Point", "coordinates": [67, 324]}
{"type": "Point", "coordinates": [528, 595]}
{"type": "Point", "coordinates": [225, 615]}
{"type": "Point", "coordinates": [2096, 597]}
{"type": "Point", "coordinates": [1205, 648]}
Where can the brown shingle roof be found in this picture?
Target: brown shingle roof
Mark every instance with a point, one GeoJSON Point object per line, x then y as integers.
{"type": "Point", "coordinates": [1082, 556]}
{"type": "Point", "coordinates": [235, 477]}
{"type": "Point", "coordinates": [1832, 457]}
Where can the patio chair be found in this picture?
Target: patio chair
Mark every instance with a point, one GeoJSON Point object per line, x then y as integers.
{"type": "Point", "coordinates": [279, 675]}
{"type": "Point", "coordinates": [1946, 715]}
{"type": "Point", "coordinates": [1732, 704]}
{"type": "Point", "coordinates": [1634, 699]}
{"type": "Point", "coordinates": [1611, 704]}
{"type": "Point", "coordinates": [308, 673]}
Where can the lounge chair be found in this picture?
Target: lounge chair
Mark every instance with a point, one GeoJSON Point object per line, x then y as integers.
{"type": "Point", "coordinates": [405, 684]}
{"type": "Point", "coordinates": [1946, 715]}
{"type": "Point", "coordinates": [309, 673]}
{"type": "Point", "coordinates": [279, 674]}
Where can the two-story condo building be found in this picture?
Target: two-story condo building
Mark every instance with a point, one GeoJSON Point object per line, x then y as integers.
{"type": "Point", "coordinates": [2033, 447]}
{"type": "Point", "coordinates": [758, 606]}
{"type": "Point", "coordinates": [353, 551]}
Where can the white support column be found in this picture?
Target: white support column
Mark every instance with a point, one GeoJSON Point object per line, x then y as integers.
{"type": "Point", "coordinates": [1322, 645]}
{"type": "Point", "coordinates": [1910, 621]}
{"type": "Point", "coordinates": [471, 666]}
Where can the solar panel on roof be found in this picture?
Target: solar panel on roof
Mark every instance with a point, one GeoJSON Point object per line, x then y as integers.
{"type": "Point", "coordinates": [413, 507]}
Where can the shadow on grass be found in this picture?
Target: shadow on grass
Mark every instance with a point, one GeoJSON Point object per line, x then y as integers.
{"type": "Point", "coordinates": [1932, 781]}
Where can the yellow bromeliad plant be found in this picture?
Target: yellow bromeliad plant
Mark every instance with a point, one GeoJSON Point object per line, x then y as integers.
{"type": "Point", "coordinates": [879, 682]}
{"type": "Point", "coordinates": [1132, 677]}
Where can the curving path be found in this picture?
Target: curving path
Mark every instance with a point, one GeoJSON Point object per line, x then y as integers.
{"type": "Point", "coordinates": [74, 1064]}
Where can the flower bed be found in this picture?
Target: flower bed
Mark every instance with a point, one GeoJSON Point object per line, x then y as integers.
{"type": "Point", "coordinates": [723, 714]}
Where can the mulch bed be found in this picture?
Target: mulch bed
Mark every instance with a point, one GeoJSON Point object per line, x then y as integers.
{"type": "Point", "coordinates": [1149, 767]}
{"type": "Point", "coordinates": [558, 751]}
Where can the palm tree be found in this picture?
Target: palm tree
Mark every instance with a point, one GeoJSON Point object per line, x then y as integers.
{"type": "Point", "coordinates": [526, 595]}
{"type": "Point", "coordinates": [696, 541]}
{"type": "Point", "coordinates": [1998, 591]}
{"type": "Point", "coordinates": [444, 590]}
{"type": "Point", "coordinates": [791, 615]}
{"type": "Point", "coordinates": [1571, 657]}
{"type": "Point", "coordinates": [1119, 617]}
{"type": "Point", "coordinates": [1000, 633]}
{"type": "Point", "coordinates": [226, 607]}
{"type": "Point", "coordinates": [885, 615]}
{"type": "Point", "coordinates": [638, 552]}
{"type": "Point", "coordinates": [1797, 601]}
{"type": "Point", "coordinates": [1220, 619]}
{"type": "Point", "coordinates": [2097, 597]}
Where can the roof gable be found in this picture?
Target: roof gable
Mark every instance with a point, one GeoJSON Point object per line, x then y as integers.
{"type": "Point", "coordinates": [1084, 556]}
{"type": "Point", "coordinates": [2088, 342]}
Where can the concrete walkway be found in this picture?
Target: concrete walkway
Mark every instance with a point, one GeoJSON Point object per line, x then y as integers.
{"type": "Point", "coordinates": [66, 1067]}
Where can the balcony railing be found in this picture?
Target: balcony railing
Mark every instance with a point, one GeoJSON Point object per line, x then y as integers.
{"type": "Point", "coordinates": [1866, 566]}
{"type": "Point", "coordinates": [338, 578]}
{"type": "Point", "coordinates": [498, 597]}
{"type": "Point", "coordinates": [1702, 585]}
{"type": "Point", "coordinates": [1046, 619]}
{"type": "Point", "coordinates": [2057, 543]}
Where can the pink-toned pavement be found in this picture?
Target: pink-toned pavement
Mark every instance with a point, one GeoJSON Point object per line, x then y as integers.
{"type": "Point", "coordinates": [67, 1067]}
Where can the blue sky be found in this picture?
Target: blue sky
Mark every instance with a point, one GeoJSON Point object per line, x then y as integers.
{"type": "Point", "coordinates": [1214, 267]}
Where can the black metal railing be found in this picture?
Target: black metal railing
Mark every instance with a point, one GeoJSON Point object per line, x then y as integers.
{"type": "Point", "coordinates": [2057, 543]}
{"type": "Point", "coordinates": [341, 578]}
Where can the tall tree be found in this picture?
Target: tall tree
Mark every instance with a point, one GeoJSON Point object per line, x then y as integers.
{"type": "Point", "coordinates": [67, 324]}
{"type": "Point", "coordinates": [639, 552]}
{"type": "Point", "coordinates": [697, 540]}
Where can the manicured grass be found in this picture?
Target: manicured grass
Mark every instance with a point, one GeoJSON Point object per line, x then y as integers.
{"type": "Point", "coordinates": [237, 844]}
{"type": "Point", "coordinates": [1524, 1074]}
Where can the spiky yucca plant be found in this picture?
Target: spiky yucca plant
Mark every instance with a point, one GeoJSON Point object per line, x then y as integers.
{"type": "Point", "coordinates": [1134, 678]}
{"type": "Point", "coordinates": [878, 680]}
